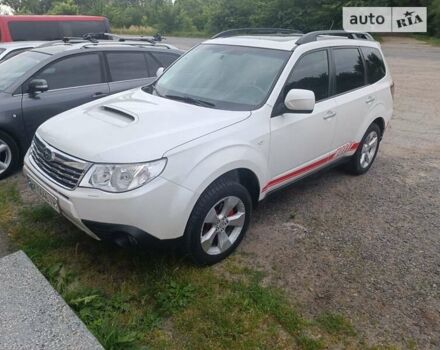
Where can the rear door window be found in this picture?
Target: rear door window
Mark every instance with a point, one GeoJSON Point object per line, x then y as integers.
{"type": "Point", "coordinates": [78, 70]}
{"type": "Point", "coordinates": [311, 73]}
{"type": "Point", "coordinates": [349, 69]}
{"type": "Point", "coordinates": [127, 65]}
{"type": "Point", "coordinates": [374, 64]}
{"type": "Point", "coordinates": [165, 59]}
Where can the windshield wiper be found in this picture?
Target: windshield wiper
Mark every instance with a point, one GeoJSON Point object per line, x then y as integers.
{"type": "Point", "coordinates": [191, 100]}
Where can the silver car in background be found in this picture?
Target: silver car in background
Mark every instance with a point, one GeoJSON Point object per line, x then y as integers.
{"type": "Point", "coordinates": [11, 49]}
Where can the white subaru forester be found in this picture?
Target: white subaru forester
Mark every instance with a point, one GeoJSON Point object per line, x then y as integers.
{"type": "Point", "coordinates": [237, 117]}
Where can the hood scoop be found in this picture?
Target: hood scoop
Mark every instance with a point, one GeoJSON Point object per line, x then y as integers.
{"type": "Point", "coordinates": [114, 115]}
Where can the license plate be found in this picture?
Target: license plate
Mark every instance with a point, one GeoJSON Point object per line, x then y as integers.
{"type": "Point", "coordinates": [45, 195]}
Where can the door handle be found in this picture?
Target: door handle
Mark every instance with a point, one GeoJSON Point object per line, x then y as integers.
{"type": "Point", "coordinates": [370, 99]}
{"type": "Point", "coordinates": [329, 115]}
{"type": "Point", "coordinates": [98, 94]}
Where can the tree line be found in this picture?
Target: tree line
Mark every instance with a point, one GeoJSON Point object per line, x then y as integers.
{"type": "Point", "coordinates": [212, 16]}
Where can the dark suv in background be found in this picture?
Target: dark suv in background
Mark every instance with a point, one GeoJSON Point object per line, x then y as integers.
{"type": "Point", "coordinates": [50, 79]}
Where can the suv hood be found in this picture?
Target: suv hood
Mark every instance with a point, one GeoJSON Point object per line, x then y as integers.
{"type": "Point", "coordinates": [132, 126]}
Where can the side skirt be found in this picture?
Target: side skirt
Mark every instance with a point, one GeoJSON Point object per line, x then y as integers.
{"type": "Point", "coordinates": [298, 180]}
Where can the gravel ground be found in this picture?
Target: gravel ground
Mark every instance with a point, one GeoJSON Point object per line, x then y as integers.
{"type": "Point", "coordinates": [369, 246]}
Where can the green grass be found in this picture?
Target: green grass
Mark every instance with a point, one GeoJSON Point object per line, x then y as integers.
{"type": "Point", "coordinates": [335, 324]}
{"type": "Point", "coordinates": [140, 299]}
{"type": "Point", "coordinates": [427, 39]}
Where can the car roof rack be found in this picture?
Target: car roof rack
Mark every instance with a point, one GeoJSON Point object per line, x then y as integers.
{"type": "Point", "coordinates": [65, 40]}
{"type": "Point", "coordinates": [108, 39]}
{"type": "Point", "coordinates": [109, 43]}
{"type": "Point", "coordinates": [75, 40]}
{"type": "Point", "coordinates": [313, 36]}
{"type": "Point", "coordinates": [255, 31]}
{"type": "Point", "coordinates": [109, 36]}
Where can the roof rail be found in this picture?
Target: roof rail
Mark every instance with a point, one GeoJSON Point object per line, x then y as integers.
{"type": "Point", "coordinates": [313, 36]}
{"type": "Point", "coordinates": [255, 31]}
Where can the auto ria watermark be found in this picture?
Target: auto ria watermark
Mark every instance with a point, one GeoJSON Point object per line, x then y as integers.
{"type": "Point", "coordinates": [385, 19]}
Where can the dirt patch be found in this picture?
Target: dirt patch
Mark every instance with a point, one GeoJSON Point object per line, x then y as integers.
{"type": "Point", "coordinates": [369, 246]}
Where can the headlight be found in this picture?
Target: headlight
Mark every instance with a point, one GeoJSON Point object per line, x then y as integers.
{"type": "Point", "coordinates": [122, 177]}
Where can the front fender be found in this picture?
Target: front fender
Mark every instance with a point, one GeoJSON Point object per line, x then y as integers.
{"type": "Point", "coordinates": [207, 167]}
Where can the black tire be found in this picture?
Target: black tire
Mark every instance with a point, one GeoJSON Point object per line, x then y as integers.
{"type": "Point", "coordinates": [354, 166]}
{"type": "Point", "coordinates": [217, 191]}
{"type": "Point", "coordinates": [14, 154]}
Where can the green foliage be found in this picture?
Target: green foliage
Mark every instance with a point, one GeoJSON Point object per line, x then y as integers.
{"type": "Point", "coordinates": [212, 16]}
{"type": "Point", "coordinates": [9, 194]}
{"type": "Point", "coordinates": [174, 296]}
{"type": "Point", "coordinates": [434, 18]}
{"type": "Point", "coordinates": [40, 213]}
{"type": "Point", "coordinates": [273, 302]}
{"type": "Point", "coordinates": [67, 7]}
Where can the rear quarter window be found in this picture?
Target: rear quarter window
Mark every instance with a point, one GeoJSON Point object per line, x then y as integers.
{"type": "Point", "coordinates": [374, 63]}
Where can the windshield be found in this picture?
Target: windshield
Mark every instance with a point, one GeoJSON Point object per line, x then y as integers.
{"type": "Point", "coordinates": [223, 77]}
{"type": "Point", "coordinates": [1, 50]}
{"type": "Point", "coordinates": [14, 68]}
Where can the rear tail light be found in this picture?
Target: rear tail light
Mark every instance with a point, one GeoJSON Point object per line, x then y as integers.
{"type": "Point", "coordinates": [392, 89]}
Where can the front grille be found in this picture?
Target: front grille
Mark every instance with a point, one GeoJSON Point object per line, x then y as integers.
{"type": "Point", "coordinates": [63, 169]}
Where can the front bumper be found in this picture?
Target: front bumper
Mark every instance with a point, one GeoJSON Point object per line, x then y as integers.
{"type": "Point", "coordinates": [160, 208]}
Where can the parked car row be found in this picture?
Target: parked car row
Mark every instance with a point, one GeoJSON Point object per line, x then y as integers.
{"type": "Point", "coordinates": [188, 155]}
{"type": "Point", "coordinates": [50, 79]}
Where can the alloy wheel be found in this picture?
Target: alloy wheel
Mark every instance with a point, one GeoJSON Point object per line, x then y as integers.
{"type": "Point", "coordinates": [369, 149]}
{"type": "Point", "coordinates": [5, 156]}
{"type": "Point", "coordinates": [223, 225]}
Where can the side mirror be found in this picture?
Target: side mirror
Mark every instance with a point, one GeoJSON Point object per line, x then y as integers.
{"type": "Point", "coordinates": [38, 85]}
{"type": "Point", "coordinates": [300, 101]}
{"type": "Point", "coordinates": [159, 71]}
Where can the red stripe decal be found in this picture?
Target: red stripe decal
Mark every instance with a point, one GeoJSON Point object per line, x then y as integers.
{"type": "Point", "coordinates": [354, 146]}
{"type": "Point", "coordinates": [345, 149]}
